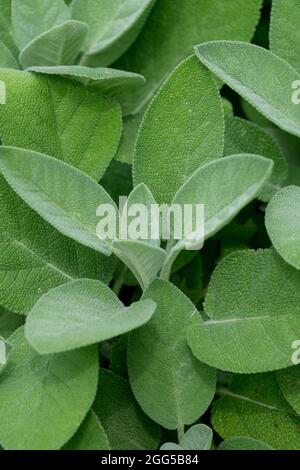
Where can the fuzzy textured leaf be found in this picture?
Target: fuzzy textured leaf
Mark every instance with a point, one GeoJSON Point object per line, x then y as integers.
{"type": "Point", "coordinates": [109, 81]}
{"type": "Point", "coordinates": [81, 313]}
{"type": "Point", "coordinates": [34, 257]}
{"type": "Point", "coordinates": [243, 136]}
{"type": "Point", "coordinates": [127, 427]}
{"type": "Point", "coordinates": [243, 443]}
{"type": "Point", "coordinates": [283, 224]}
{"type": "Point", "coordinates": [289, 383]}
{"type": "Point", "coordinates": [36, 390]}
{"type": "Point", "coordinates": [61, 119]}
{"type": "Point", "coordinates": [269, 91]}
{"type": "Point", "coordinates": [250, 329]}
{"type": "Point", "coordinates": [113, 26]}
{"type": "Point", "coordinates": [58, 46]}
{"type": "Point", "coordinates": [255, 407]}
{"type": "Point", "coordinates": [33, 17]}
{"type": "Point", "coordinates": [183, 128]}
{"type": "Point", "coordinates": [90, 435]}
{"type": "Point", "coordinates": [50, 187]}
{"type": "Point", "coordinates": [169, 384]}
{"type": "Point", "coordinates": [285, 30]}
{"type": "Point", "coordinates": [171, 31]}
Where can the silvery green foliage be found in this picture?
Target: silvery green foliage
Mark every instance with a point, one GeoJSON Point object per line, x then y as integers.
{"type": "Point", "coordinates": [120, 343]}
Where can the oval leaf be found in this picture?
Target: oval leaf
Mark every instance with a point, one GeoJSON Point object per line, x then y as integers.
{"type": "Point", "coordinates": [170, 385]}
{"type": "Point", "coordinates": [113, 26]}
{"type": "Point", "coordinates": [43, 399]}
{"type": "Point", "coordinates": [183, 128]}
{"type": "Point", "coordinates": [90, 435]}
{"type": "Point", "coordinates": [51, 188]}
{"type": "Point", "coordinates": [81, 313]}
{"type": "Point", "coordinates": [254, 405]}
{"type": "Point", "coordinates": [127, 427]}
{"type": "Point", "coordinates": [250, 329]}
{"type": "Point", "coordinates": [283, 224]}
{"type": "Point", "coordinates": [58, 46]}
{"type": "Point", "coordinates": [61, 119]}
{"type": "Point", "coordinates": [237, 63]}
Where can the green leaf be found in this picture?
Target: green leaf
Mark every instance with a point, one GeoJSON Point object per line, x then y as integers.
{"type": "Point", "coordinates": [243, 443]}
{"type": "Point", "coordinates": [6, 57]}
{"type": "Point", "coordinates": [143, 259]}
{"type": "Point", "coordinates": [285, 30]}
{"type": "Point", "coordinates": [9, 322]}
{"type": "Point", "coordinates": [113, 26]}
{"type": "Point", "coordinates": [255, 407]}
{"type": "Point", "coordinates": [171, 446]}
{"type": "Point", "coordinates": [81, 313]}
{"type": "Point", "coordinates": [243, 136]}
{"type": "Point", "coordinates": [90, 435]}
{"type": "Point", "coordinates": [57, 46]}
{"type": "Point", "coordinates": [289, 383]}
{"type": "Point", "coordinates": [250, 329]}
{"type": "Point", "coordinates": [33, 17]}
{"type": "Point", "coordinates": [209, 185]}
{"type": "Point", "coordinates": [50, 187]}
{"type": "Point", "coordinates": [170, 385]}
{"type": "Point", "coordinates": [237, 64]}
{"type": "Point", "coordinates": [183, 128]}
{"type": "Point", "coordinates": [34, 257]}
{"type": "Point", "coordinates": [283, 224]}
{"type": "Point", "coordinates": [109, 81]}
{"type": "Point", "coordinates": [198, 437]}
{"type": "Point", "coordinates": [131, 126]}
{"type": "Point", "coordinates": [127, 427]}
{"type": "Point", "coordinates": [43, 399]}
{"type": "Point", "coordinates": [8, 46]}
{"type": "Point", "coordinates": [171, 31]}
{"type": "Point", "coordinates": [74, 124]}
{"type": "Point", "coordinates": [141, 195]}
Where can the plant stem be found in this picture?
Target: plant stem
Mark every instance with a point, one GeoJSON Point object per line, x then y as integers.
{"type": "Point", "coordinates": [180, 433]}
{"type": "Point", "coordinates": [119, 282]}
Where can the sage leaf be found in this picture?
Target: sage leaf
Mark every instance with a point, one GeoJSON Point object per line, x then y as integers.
{"type": "Point", "coordinates": [198, 437]}
{"type": "Point", "coordinates": [108, 81]}
{"type": "Point", "coordinates": [243, 136]}
{"type": "Point", "coordinates": [113, 26]}
{"type": "Point", "coordinates": [8, 47]}
{"type": "Point", "coordinates": [285, 30]}
{"type": "Point", "coordinates": [249, 328]}
{"type": "Point", "coordinates": [31, 18]}
{"type": "Point", "coordinates": [143, 259]}
{"type": "Point", "coordinates": [36, 390]}
{"type": "Point", "coordinates": [81, 313]}
{"type": "Point", "coordinates": [237, 63]}
{"type": "Point", "coordinates": [255, 407]}
{"type": "Point", "coordinates": [9, 322]}
{"type": "Point", "coordinates": [90, 435]}
{"type": "Point", "coordinates": [127, 427]}
{"type": "Point", "coordinates": [243, 443]}
{"type": "Point", "coordinates": [169, 384]}
{"type": "Point", "coordinates": [209, 185]}
{"type": "Point", "coordinates": [34, 257]}
{"type": "Point", "coordinates": [50, 187]}
{"type": "Point", "coordinates": [141, 195]}
{"type": "Point", "coordinates": [289, 381]}
{"type": "Point", "coordinates": [283, 224]}
{"type": "Point", "coordinates": [185, 24]}
{"type": "Point", "coordinates": [183, 128]}
{"type": "Point", "coordinates": [74, 124]}
{"type": "Point", "coordinates": [58, 46]}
